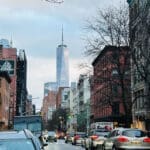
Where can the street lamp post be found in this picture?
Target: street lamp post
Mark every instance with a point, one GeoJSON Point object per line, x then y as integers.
{"type": "Point", "coordinates": [87, 117]}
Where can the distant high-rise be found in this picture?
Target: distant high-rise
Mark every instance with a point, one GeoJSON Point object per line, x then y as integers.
{"type": "Point", "coordinates": [49, 86]}
{"type": "Point", "coordinates": [5, 43]}
{"type": "Point", "coordinates": [62, 65]}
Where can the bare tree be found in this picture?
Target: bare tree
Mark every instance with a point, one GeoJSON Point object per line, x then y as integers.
{"type": "Point", "coordinates": [140, 50]}
{"type": "Point", "coordinates": [109, 27]}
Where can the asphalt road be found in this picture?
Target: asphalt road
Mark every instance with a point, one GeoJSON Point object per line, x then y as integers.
{"type": "Point", "coordinates": [61, 145]}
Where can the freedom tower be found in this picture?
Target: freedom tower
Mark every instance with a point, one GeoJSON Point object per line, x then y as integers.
{"type": "Point", "coordinates": [62, 65]}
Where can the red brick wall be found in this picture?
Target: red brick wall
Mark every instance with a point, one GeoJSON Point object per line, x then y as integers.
{"type": "Point", "coordinates": [11, 53]}
{"type": "Point", "coordinates": [102, 83]}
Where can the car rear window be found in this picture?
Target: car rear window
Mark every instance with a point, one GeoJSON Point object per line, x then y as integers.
{"type": "Point", "coordinates": [71, 134]}
{"type": "Point", "coordinates": [102, 133]}
{"type": "Point", "coordinates": [19, 144]}
{"type": "Point", "coordinates": [81, 134]}
{"type": "Point", "coordinates": [51, 133]}
{"type": "Point", "coordinates": [134, 133]}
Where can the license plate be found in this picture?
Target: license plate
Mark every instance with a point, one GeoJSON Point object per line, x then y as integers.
{"type": "Point", "coordinates": [136, 142]}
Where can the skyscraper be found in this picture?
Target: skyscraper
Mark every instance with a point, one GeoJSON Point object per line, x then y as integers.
{"type": "Point", "coordinates": [49, 86]}
{"type": "Point", "coordinates": [62, 65]}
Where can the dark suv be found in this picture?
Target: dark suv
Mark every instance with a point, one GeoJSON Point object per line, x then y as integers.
{"type": "Point", "coordinates": [19, 140]}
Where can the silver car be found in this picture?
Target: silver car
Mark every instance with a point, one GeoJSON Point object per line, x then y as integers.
{"type": "Point", "coordinates": [127, 138]}
{"type": "Point", "coordinates": [19, 140]}
{"type": "Point", "coordinates": [96, 139]}
{"type": "Point", "coordinates": [78, 138]}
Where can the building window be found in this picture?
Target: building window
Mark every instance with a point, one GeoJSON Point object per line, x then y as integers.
{"type": "Point", "coordinates": [114, 72]}
{"type": "Point", "coordinates": [115, 90]}
{"type": "Point", "coordinates": [115, 108]}
{"type": "Point", "coordinates": [0, 98]}
{"type": "Point", "coordinates": [142, 99]}
{"type": "Point", "coordinates": [0, 82]}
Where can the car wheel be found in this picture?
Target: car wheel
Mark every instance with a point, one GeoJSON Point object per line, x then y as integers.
{"type": "Point", "coordinates": [92, 148]}
{"type": "Point", "coordinates": [99, 147]}
{"type": "Point", "coordinates": [114, 148]}
{"type": "Point", "coordinates": [103, 147]}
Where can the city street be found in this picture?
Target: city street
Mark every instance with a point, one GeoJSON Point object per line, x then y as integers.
{"type": "Point", "coordinates": [61, 145]}
{"type": "Point", "coordinates": [74, 74]}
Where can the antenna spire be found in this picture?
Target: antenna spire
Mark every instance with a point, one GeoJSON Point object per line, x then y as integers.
{"type": "Point", "coordinates": [62, 36]}
{"type": "Point", "coordinates": [11, 42]}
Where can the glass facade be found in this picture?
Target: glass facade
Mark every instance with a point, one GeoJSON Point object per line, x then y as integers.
{"type": "Point", "coordinates": [49, 86]}
{"type": "Point", "coordinates": [62, 66]}
{"type": "Point", "coordinates": [5, 43]}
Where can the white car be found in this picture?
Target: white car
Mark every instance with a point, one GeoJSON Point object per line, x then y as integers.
{"type": "Point", "coordinates": [127, 138]}
{"type": "Point", "coordinates": [78, 138]}
{"type": "Point", "coordinates": [96, 139]}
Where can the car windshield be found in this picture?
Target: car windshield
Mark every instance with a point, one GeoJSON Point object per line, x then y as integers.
{"type": "Point", "coordinates": [134, 133]}
{"type": "Point", "coordinates": [34, 127]}
{"type": "Point", "coordinates": [102, 133]}
{"type": "Point", "coordinates": [71, 134]}
{"type": "Point", "coordinates": [51, 133]}
{"type": "Point", "coordinates": [81, 135]}
{"type": "Point", "coordinates": [16, 144]}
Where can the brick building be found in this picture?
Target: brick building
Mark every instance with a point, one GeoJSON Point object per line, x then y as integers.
{"type": "Point", "coordinates": [8, 58]}
{"type": "Point", "coordinates": [49, 105]}
{"type": "Point", "coordinates": [21, 70]}
{"type": "Point", "coordinates": [110, 86]}
{"type": "Point", "coordinates": [4, 100]}
{"type": "Point", "coordinates": [61, 98]}
{"type": "Point", "coordinates": [29, 106]}
{"type": "Point", "coordinates": [140, 45]}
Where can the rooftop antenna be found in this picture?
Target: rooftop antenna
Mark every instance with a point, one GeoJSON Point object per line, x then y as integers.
{"type": "Point", "coordinates": [11, 42]}
{"type": "Point", "coordinates": [62, 36]}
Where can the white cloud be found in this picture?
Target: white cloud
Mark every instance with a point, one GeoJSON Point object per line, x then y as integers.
{"type": "Point", "coordinates": [42, 70]}
{"type": "Point", "coordinates": [35, 25]}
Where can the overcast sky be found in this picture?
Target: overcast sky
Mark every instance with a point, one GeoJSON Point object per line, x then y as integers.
{"type": "Point", "coordinates": [35, 26]}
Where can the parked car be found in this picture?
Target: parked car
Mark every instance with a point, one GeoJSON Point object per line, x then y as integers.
{"type": "Point", "coordinates": [60, 134]}
{"type": "Point", "coordinates": [19, 140]}
{"type": "Point", "coordinates": [96, 139]}
{"type": "Point", "coordinates": [69, 137]}
{"type": "Point", "coordinates": [52, 136]}
{"type": "Point", "coordinates": [127, 138]}
{"type": "Point", "coordinates": [78, 138]}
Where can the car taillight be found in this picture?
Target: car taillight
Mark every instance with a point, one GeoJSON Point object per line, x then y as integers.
{"type": "Point", "coordinates": [94, 137]}
{"type": "Point", "coordinates": [122, 139]}
{"type": "Point", "coordinates": [147, 140]}
{"type": "Point", "coordinates": [77, 137]}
